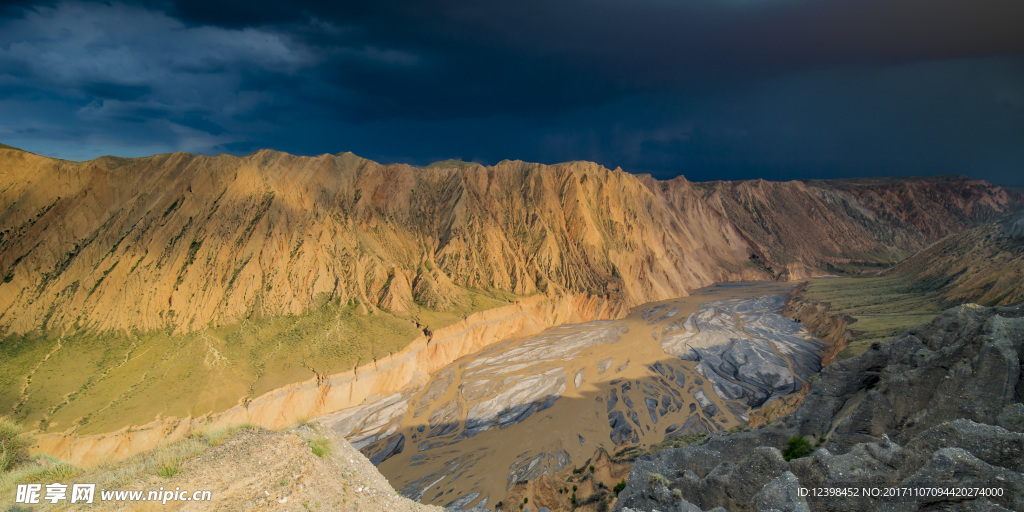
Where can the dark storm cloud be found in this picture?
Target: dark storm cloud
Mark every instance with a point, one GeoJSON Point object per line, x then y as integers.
{"type": "Point", "coordinates": [707, 88]}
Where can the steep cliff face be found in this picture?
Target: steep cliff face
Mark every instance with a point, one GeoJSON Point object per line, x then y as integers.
{"type": "Point", "coordinates": [815, 316]}
{"type": "Point", "coordinates": [183, 241]}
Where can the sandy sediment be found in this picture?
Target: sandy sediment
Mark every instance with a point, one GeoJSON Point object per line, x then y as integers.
{"type": "Point", "coordinates": [538, 405]}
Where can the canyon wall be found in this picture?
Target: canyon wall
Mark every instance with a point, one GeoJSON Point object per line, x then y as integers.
{"type": "Point", "coordinates": [183, 242]}
{"type": "Point", "coordinates": [816, 317]}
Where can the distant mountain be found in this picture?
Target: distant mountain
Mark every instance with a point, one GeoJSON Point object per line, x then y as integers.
{"type": "Point", "coordinates": [180, 241]}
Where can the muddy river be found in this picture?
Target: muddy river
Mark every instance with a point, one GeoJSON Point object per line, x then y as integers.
{"type": "Point", "coordinates": [542, 403]}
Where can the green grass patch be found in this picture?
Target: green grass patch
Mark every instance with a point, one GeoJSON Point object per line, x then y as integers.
{"type": "Point", "coordinates": [883, 306]}
{"type": "Point", "coordinates": [101, 382]}
{"type": "Point", "coordinates": [169, 468]}
{"type": "Point", "coordinates": [14, 445]}
{"type": "Point", "coordinates": [320, 447]}
{"type": "Point", "coordinates": [619, 486]}
{"type": "Point", "coordinates": [41, 469]}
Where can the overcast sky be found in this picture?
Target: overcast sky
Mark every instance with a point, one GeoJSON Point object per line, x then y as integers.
{"type": "Point", "coordinates": [711, 89]}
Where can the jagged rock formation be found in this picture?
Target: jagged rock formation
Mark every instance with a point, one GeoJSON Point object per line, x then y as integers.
{"type": "Point", "coordinates": [939, 406]}
{"type": "Point", "coordinates": [183, 241]}
{"type": "Point", "coordinates": [984, 264]}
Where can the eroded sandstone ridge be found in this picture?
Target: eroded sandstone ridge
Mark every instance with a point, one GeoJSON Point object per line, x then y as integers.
{"type": "Point", "coordinates": [183, 241]}
{"type": "Point", "coordinates": [938, 407]}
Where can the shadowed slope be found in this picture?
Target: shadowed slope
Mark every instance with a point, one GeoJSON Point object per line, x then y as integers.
{"type": "Point", "coordinates": [983, 265]}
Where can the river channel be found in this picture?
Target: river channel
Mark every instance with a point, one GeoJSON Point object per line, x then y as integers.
{"type": "Point", "coordinates": [543, 403]}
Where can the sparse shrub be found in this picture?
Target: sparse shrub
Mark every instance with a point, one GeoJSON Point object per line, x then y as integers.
{"type": "Point", "coordinates": [655, 478]}
{"type": "Point", "coordinates": [168, 470]}
{"type": "Point", "coordinates": [619, 486]}
{"type": "Point", "coordinates": [168, 465]}
{"type": "Point", "coordinates": [13, 445]}
{"type": "Point", "coordinates": [796, 447]}
{"type": "Point", "coordinates": [320, 446]}
{"type": "Point", "coordinates": [215, 436]}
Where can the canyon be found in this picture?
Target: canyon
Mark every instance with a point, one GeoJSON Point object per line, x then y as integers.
{"type": "Point", "coordinates": [410, 307]}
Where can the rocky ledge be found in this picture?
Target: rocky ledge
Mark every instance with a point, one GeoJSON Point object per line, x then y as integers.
{"type": "Point", "coordinates": [935, 409]}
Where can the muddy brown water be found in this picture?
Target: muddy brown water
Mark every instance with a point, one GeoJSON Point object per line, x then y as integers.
{"type": "Point", "coordinates": [543, 403]}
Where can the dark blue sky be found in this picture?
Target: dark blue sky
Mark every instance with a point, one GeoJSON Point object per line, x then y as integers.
{"type": "Point", "coordinates": [711, 89]}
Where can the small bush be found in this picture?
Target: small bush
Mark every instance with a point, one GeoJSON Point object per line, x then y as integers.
{"type": "Point", "coordinates": [168, 465]}
{"type": "Point", "coordinates": [320, 447]}
{"type": "Point", "coordinates": [796, 447]}
{"type": "Point", "coordinates": [619, 486]}
{"type": "Point", "coordinates": [215, 436]}
{"type": "Point", "coordinates": [168, 469]}
{"type": "Point", "coordinates": [13, 445]}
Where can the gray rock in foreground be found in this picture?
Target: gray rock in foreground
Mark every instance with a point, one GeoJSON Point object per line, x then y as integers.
{"type": "Point", "coordinates": [937, 408]}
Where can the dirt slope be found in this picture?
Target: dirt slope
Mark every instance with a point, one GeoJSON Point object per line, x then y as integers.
{"type": "Point", "coordinates": [253, 469]}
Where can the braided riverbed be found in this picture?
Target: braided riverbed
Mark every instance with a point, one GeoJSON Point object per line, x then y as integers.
{"type": "Point", "coordinates": [540, 404]}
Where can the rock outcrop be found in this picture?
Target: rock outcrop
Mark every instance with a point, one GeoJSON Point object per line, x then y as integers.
{"type": "Point", "coordinates": [936, 408]}
{"type": "Point", "coordinates": [249, 469]}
